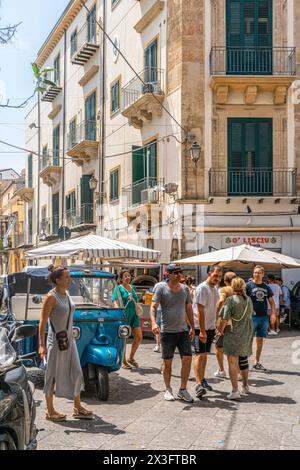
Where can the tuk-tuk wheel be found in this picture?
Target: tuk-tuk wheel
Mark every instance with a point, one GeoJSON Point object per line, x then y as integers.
{"type": "Point", "coordinates": [102, 383]}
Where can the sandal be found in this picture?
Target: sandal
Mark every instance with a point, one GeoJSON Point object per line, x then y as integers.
{"type": "Point", "coordinates": [56, 417]}
{"type": "Point", "coordinates": [82, 413]}
{"type": "Point", "coordinates": [126, 366]}
{"type": "Point", "coordinates": [132, 362]}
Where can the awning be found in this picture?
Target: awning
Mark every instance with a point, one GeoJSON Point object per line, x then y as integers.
{"type": "Point", "coordinates": [241, 257]}
{"type": "Point", "coordinates": [244, 229]}
{"type": "Point", "coordinates": [94, 246]}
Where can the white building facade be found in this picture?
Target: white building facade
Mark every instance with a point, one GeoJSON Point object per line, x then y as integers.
{"type": "Point", "coordinates": [222, 73]}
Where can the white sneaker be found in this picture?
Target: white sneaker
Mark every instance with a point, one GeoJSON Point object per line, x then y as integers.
{"type": "Point", "coordinates": [277, 331]}
{"type": "Point", "coordinates": [234, 395]}
{"type": "Point", "coordinates": [272, 333]}
{"type": "Point", "coordinates": [156, 349]}
{"type": "Point", "coordinates": [169, 395]}
{"type": "Point", "coordinates": [245, 390]}
{"type": "Point", "coordinates": [220, 373]}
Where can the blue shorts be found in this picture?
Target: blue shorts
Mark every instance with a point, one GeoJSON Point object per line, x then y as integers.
{"type": "Point", "coordinates": [261, 326]}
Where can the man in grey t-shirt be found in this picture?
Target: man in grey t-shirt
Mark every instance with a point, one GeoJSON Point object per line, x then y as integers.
{"type": "Point", "coordinates": [175, 301]}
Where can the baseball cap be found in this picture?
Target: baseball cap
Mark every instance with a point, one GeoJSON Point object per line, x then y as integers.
{"type": "Point", "coordinates": [172, 268]}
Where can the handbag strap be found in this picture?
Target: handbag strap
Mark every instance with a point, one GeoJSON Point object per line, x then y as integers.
{"type": "Point", "coordinates": [68, 322]}
{"type": "Point", "coordinates": [246, 308]}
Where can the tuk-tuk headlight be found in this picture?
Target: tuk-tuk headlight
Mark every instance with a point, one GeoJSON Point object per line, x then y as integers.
{"type": "Point", "coordinates": [124, 331]}
{"type": "Point", "coordinates": [76, 332]}
{"type": "Point", "coordinates": [146, 324]}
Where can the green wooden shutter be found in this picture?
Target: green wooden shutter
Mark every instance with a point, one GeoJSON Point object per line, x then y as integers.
{"type": "Point", "coordinates": [90, 117]}
{"type": "Point", "coordinates": [114, 185]}
{"type": "Point", "coordinates": [150, 60]}
{"type": "Point", "coordinates": [56, 145]}
{"type": "Point", "coordinates": [138, 164]}
{"type": "Point", "coordinates": [55, 213]}
{"type": "Point", "coordinates": [86, 200]}
{"type": "Point", "coordinates": [152, 159]}
{"type": "Point", "coordinates": [30, 170]}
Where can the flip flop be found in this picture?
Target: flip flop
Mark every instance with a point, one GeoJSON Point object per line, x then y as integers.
{"type": "Point", "coordinates": [132, 363]}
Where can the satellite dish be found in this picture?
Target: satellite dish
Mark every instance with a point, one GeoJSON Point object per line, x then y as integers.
{"type": "Point", "coordinates": [64, 233]}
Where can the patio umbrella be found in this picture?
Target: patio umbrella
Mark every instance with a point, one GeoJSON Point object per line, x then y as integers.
{"type": "Point", "coordinates": [241, 257]}
{"type": "Point", "coordinates": [94, 246]}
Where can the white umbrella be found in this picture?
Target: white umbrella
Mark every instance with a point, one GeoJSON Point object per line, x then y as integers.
{"type": "Point", "coordinates": [240, 257]}
{"type": "Point", "coordinates": [93, 246]}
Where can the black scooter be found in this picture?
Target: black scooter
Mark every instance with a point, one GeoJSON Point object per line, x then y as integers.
{"type": "Point", "coordinates": [17, 406]}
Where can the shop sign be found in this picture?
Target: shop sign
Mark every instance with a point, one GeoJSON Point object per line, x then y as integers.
{"type": "Point", "coordinates": [265, 241]}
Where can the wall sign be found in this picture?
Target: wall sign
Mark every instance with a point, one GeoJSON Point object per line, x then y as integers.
{"type": "Point", "coordinates": [263, 240]}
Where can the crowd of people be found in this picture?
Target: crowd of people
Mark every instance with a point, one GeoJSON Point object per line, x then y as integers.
{"type": "Point", "coordinates": [191, 318]}
{"type": "Point", "coordinates": [224, 310]}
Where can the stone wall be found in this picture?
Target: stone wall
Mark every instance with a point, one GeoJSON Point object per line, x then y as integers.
{"type": "Point", "coordinates": [186, 61]}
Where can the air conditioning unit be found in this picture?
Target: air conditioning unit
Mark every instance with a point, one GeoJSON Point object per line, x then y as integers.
{"type": "Point", "coordinates": [149, 195]}
{"type": "Point", "coordinates": [149, 88]}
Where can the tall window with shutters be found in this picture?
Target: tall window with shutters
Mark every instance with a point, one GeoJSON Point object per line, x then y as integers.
{"type": "Point", "coordinates": [249, 37]}
{"type": "Point", "coordinates": [114, 185]}
{"type": "Point", "coordinates": [250, 156]}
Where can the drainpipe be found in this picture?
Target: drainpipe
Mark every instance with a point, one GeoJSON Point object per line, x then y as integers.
{"type": "Point", "coordinates": [39, 170]}
{"type": "Point", "coordinates": [103, 116]}
{"type": "Point", "coordinates": [63, 215]}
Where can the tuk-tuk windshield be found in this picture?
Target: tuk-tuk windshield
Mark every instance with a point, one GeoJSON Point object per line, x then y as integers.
{"type": "Point", "coordinates": [92, 291]}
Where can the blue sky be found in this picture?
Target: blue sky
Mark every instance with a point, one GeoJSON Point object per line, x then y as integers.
{"type": "Point", "coordinates": [16, 78]}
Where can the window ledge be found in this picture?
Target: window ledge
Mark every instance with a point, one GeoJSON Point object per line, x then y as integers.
{"type": "Point", "coordinates": [89, 75]}
{"type": "Point", "coordinates": [149, 16]}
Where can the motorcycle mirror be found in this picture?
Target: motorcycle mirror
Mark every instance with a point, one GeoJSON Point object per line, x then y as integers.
{"type": "Point", "coordinates": [37, 299]}
{"type": "Point", "coordinates": [24, 331]}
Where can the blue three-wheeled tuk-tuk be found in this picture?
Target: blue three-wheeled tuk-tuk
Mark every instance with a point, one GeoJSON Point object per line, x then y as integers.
{"type": "Point", "coordinates": [100, 329]}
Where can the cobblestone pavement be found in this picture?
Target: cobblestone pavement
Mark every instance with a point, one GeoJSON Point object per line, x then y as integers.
{"type": "Point", "coordinates": [137, 417]}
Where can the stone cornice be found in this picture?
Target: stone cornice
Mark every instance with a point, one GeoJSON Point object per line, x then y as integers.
{"type": "Point", "coordinates": [149, 16]}
{"type": "Point", "coordinates": [57, 33]}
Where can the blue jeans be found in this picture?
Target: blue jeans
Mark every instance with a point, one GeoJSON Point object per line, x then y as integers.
{"type": "Point", "coordinates": [261, 325]}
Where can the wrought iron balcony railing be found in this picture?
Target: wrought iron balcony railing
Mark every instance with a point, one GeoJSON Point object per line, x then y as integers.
{"type": "Point", "coordinates": [253, 61]}
{"type": "Point", "coordinates": [153, 83]}
{"type": "Point", "coordinates": [80, 216]}
{"type": "Point", "coordinates": [86, 130]}
{"type": "Point", "coordinates": [145, 191]}
{"type": "Point", "coordinates": [53, 90]}
{"type": "Point", "coordinates": [85, 43]}
{"type": "Point", "coordinates": [253, 182]}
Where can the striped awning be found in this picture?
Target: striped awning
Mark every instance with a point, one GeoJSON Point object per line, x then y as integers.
{"type": "Point", "coordinates": [94, 246]}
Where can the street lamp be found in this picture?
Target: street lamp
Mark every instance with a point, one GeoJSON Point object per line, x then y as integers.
{"type": "Point", "coordinates": [93, 183]}
{"type": "Point", "coordinates": [195, 152]}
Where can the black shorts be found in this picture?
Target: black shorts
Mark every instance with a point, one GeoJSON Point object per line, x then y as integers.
{"type": "Point", "coordinates": [201, 348]}
{"type": "Point", "coordinates": [171, 341]}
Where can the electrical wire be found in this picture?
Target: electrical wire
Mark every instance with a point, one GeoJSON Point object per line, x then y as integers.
{"type": "Point", "coordinates": [129, 152]}
{"type": "Point", "coordinates": [132, 68]}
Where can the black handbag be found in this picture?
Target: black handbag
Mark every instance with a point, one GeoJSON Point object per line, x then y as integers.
{"type": "Point", "coordinates": [62, 336]}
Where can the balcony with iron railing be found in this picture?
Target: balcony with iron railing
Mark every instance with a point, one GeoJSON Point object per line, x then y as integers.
{"type": "Point", "coordinates": [54, 89]}
{"type": "Point", "coordinates": [263, 182]}
{"type": "Point", "coordinates": [142, 97]}
{"type": "Point", "coordinates": [83, 142]}
{"type": "Point", "coordinates": [147, 191]}
{"type": "Point", "coordinates": [80, 218]}
{"type": "Point", "coordinates": [49, 228]}
{"type": "Point", "coordinates": [85, 43]}
{"type": "Point", "coordinates": [278, 61]}
{"type": "Point", "coordinates": [250, 71]}
{"type": "Point", "coordinates": [23, 192]}
{"type": "Point", "coordinates": [51, 169]}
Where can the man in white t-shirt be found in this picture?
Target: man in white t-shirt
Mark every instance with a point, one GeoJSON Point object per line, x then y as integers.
{"type": "Point", "coordinates": [277, 296]}
{"type": "Point", "coordinates": [205, 307]}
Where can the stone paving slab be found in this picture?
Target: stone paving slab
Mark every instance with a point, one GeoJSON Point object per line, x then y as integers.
{"type": "Point", "coordinates": [137, 417]}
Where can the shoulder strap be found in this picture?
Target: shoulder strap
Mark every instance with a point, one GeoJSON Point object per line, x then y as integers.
{"type": "Point", "coordinates": [246, 308]}
{"type": "Point", "coordinates": [68, 322]}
